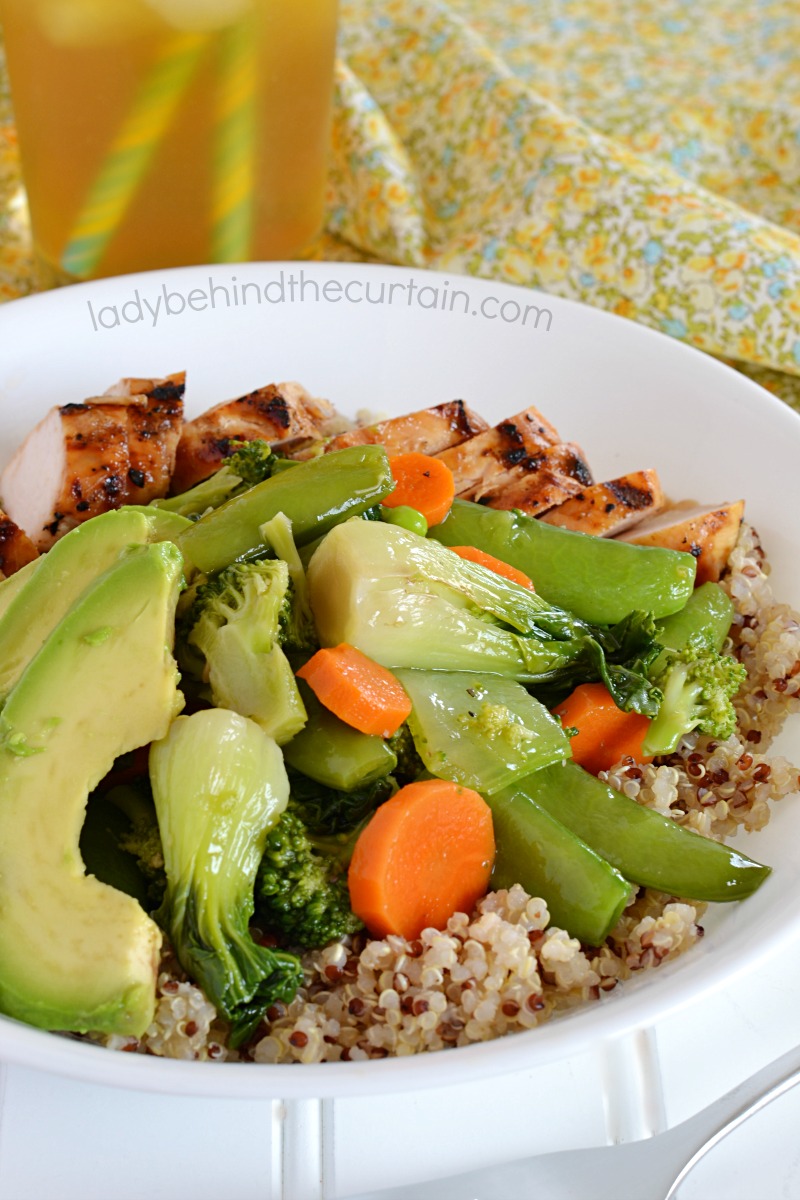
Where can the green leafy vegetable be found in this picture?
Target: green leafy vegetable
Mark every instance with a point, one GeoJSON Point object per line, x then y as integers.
{"type": "Point", "coordinates": [219, 786]}
{"type": "Point", "coordinates": [407, 601]}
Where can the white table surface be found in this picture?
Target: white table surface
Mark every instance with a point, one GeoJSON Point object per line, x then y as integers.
{"type": "Point", "coordinates": [61, 1140]}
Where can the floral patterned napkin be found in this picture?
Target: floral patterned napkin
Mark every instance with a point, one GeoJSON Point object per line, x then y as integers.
{"type": "Point", "coordinates": [639, 155]}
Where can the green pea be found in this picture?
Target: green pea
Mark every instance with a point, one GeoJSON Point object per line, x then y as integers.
{"type": "Point", "coordinates": [406, 517]}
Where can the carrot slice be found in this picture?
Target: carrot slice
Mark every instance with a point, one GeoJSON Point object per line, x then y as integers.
{"type": "Point", "coordinates": [473, 554]}
{"type": "Point", "coordinates": [605, 733]}
{"type": "Point", "coordinates": [427, 853]}
{"type": "Point", "coordinates": [423, 483]}
{"type": "Point", "coordinates": [357, 689]}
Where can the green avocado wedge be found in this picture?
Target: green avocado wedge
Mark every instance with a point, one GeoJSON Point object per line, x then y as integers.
{"type": "Point", "coordinates": [13, 584]}
{"type": "Point", "coordinates": [61, 576]}
{"type": "Point", "coordinates": [76, 954]}
{"type": "Point", "coordinates": [165, 526]}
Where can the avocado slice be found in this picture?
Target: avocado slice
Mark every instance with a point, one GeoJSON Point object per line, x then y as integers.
{"type": "Point", "coordinates": [76, 954]}
{"type": "Point", "coordinates": [60, 578]}
{"type": "Point", "coordinates": [166, 525]}
{"type": "Point", "coordinates": [12, 584]}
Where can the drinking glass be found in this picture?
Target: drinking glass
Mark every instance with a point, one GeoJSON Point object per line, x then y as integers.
{"type": "Point", "coordinates": [157, 133]}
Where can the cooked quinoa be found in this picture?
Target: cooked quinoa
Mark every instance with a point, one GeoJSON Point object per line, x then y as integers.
{"type": "Point", "coordinates": [504, 968]}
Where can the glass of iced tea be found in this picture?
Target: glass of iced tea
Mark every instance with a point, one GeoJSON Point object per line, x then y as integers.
{"type": "Point", "coordinates": [159, 133]}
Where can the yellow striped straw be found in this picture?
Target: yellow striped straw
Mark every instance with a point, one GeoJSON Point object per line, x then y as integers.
{"type": "Point", "coordinates": [132, 151]}
{"type": "Point", "coordinates": [233, 188]}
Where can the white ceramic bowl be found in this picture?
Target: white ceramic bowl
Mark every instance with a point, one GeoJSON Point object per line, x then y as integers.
{"type": "Point", "coordinates": [391, 340]}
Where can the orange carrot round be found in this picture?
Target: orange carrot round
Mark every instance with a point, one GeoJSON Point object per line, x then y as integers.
{"type": "Point", "coordinates": [357, 689]}
{"type": "Point", "coordinates": [473, 554]}
{"type": "Point", "coordinates": [423, 483]}
{"type": "Point", "coordinates": [427, 853]}
{"type": "Point", "coordinates": [605, 733]}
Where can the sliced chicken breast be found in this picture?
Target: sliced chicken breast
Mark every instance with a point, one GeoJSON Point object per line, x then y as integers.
{"type": "Point", "coordinates": [708, 533]}
{"type": "Point", "coordinates": [538, 483]}
{"type": "Point", "coordinates": [284, 414]}
{"type": "Point", "coordinates": [606, 509]}
{"type": "Point", "coordinates": [16, 548]}
{"type": "Point", "coordinates": [485, 460]}
{"type": "Point", "coordinates": [428, 431]}
{"type": "Point", "coordinates": [73, 465]}
{"type": "Point", "coordinates": [154, 413]}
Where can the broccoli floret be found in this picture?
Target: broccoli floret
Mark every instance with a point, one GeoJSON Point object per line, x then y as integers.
{"type": "Point", "coordinates": [230, 638]}
{"type": "Point", "coordinates": [327, 810]}
{"type": "Point", "coordinates": [698, 685]}
{"type": "Point", "coordinates": [248, 464]}
{"type": "Point", "coordinates": [301, 886]}
{"type": "Point", "coordinates": [219, 786]}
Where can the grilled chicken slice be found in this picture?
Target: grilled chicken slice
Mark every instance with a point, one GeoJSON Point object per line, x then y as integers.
{"type": "Point", "coordinates": [606, 509]}
{"type": "Point", "coordinates": [484, 461]}
{"type": "Point", "coordinates": [284, 414]}
{"type": "Point", "coordinates": [73, 465]}
{"type": "Point", "coordinates": [16, 548]}
{"type": "Point", "coordinates": [538, 483]}
{"type": "Point", "coordinates": [428, 431]}
{"type": "Point", "coordinates": [154, 413]}
{"type": "Point", "coordinates": [708, 533]}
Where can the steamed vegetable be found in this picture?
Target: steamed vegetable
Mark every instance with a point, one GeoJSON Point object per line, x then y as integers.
{"type": "Point", "coordinates": [604, 734]}
{"type": "Point", "coordinates": [249, 464]}
{"type": "Point", "coordinates": [480, 731]}
{"type": "Point", "coordinates": [120, 844]}
{"type": "Point", "coordinates": [406, 601]}
{"type": "Point", "coordinates": [333, 753]}
{"type": "Point", "coordinates": [426, 854]}
{"type": "Point", "coordinates": [423, 483]}
{"type": "Point", "coordinates": [301, 888]}
{"type": "Point", "coordinates": [315, 495]}
{"type": "Point", "coordinates": [584, 894]}
{"type": "Point", "coordinates": [598, 579]}
{"type": "Point", "coordinates": [231, 637]}
{"type": "Point", "coordinates": [472, 554]}
{"type": "Point", "coordinates": [219, 785]}
{"type": "Point", "coordinates": [329, 810]}
{"type": "Point", "coordinates": [647, 847]}
{"type": "Point", "coordinates": [697, 681]}
{"type": "Point", "coordinates": [357, 690]}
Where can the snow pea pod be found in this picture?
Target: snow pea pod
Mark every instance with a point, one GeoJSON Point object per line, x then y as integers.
{"type": "Point", "coordinates": [584, 894]}
{"type": "Point", "coordinates": [597, 579]}
{"type": "Point", "coordinates": [707, 616]}
{"type": "Point", "coordinates": [315, 495]}
{"type": "Point", "coordinates": [333, 753]}
{"type": "Point", "coordinates": [643, 845]}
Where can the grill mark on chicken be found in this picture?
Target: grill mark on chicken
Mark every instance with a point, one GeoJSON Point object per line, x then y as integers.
{"type": "Point", "coordinates": [609, 508]}
{"type": "Point", "coordinates": [154, 414]}
{"type": "Point", "coordinates": [631, 497]}
{"type": "Point", "coordinates": [536, 491]}
{"type": "Point", "coordinates": [519, 446]}
{"type": "Point", "coordinates": [579, 469]}
{"type": "Point", "coordinates": [277, 413]}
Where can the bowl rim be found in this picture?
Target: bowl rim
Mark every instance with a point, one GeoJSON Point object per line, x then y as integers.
{"type": "Point", "coordinates": [590, 1026]}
